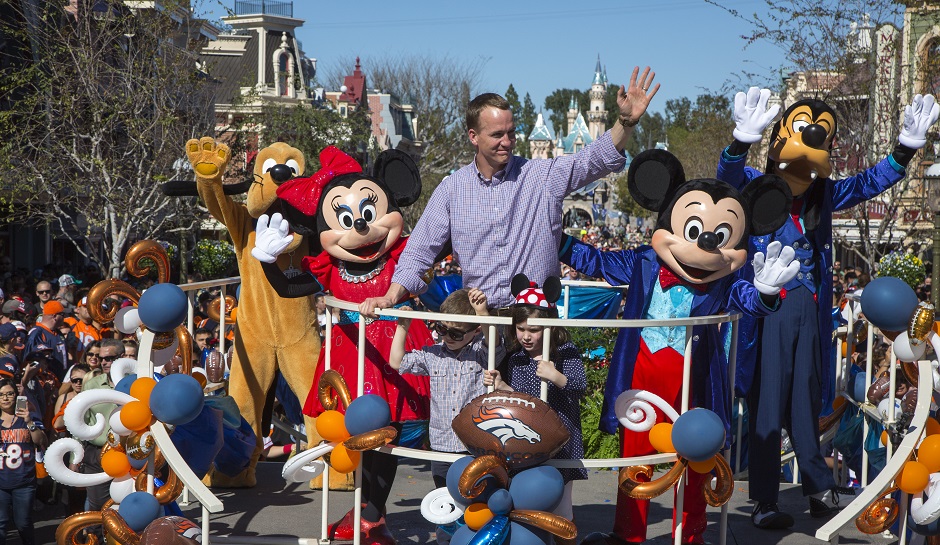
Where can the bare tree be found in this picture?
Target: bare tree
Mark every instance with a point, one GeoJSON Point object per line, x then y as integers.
{"type": "Point", "coordinates": [439, 88]}
{"type": "Point", "coordinates": [105, 101]}
{"type": "Point", "coordinates": [846, 52]}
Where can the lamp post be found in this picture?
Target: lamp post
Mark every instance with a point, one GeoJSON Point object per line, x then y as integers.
{"type": "Point", "coordinates": [932, 178]}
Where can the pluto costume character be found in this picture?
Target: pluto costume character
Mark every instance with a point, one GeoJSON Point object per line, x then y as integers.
{"type": "Point", "coordinates": [793, 356]}
{"type": "Point", "coordinates": [700, 241]}
{"type": "Point", "coordinates": [271, 333]}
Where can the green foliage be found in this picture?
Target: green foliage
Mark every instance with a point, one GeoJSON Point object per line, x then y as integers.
{"type": "Point", "coordinates": [529, 116]}
{"type": "Point", "coordinates": [559, 101]}
{"type": "Point", "coordinates": [597, 444]}
{"type": "Point", "coordinates": [698, 131]}
{"type": "Point", "coordinates": [213, 258]}
{"type": "Point", "coordinates": [908, 267]}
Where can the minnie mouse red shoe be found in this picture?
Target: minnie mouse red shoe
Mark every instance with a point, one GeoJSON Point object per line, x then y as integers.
{"type": "Point", "coordinates": [376, 533]}
{"type": "Point", "coordinates": [342, 530]}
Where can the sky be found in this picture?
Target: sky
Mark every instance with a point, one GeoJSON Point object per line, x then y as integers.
{"type": "Point", "coordinates": [694, 47]}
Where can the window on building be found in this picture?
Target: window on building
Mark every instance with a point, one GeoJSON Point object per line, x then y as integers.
{"type": "Point", "coordinates": [284, 73]}
{"type": "Point", "coordinates": [931, 67]}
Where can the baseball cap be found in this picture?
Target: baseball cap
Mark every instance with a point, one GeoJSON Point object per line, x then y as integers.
{"type": "Point", "coordinates": [12, 306]}
{"type": "Point", "coordinates": [7, 331]}
{"type": "Point", "coordinates": [52, 307]}
{"type": "Point", "coordinates": [68, 280]}
{"type": "Point", "coordinates": [7, 369]}
{"type": "Point", "coordinates": [83, 302]}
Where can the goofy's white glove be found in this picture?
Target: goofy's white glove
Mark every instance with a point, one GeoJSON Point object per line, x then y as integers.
{"type": "Point", "coordinates": [751, 115]}
{"type": "Point", "coordinates": [919, 115]}
{"type": "Point", "coordinates": [776, 269]}
{"type": "Point", "coordinates": [271, 238]}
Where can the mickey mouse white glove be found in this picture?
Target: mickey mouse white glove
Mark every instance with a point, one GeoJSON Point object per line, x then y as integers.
{"type": "Point", "coordinates": [776, 269]}
{"type": "Point", "coordinates": [919, 115]}
{"type": "Point", "coordinates": [751, 115]}
{"type": "Point", "coordinates": [270, 238]}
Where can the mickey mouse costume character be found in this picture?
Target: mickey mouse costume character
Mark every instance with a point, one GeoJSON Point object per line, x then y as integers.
{"type": "Point", "coordinates": [358, 224]}
{"type": "Point", "coordinates": [792, 361]}
{"type": "Point", "coordinates": [700, 240]}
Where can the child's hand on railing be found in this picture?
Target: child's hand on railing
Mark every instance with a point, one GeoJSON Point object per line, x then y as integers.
{"type": "Point", "coordinates": [546, 370]}
{"type": "Point", "coordinates": [478, 301]}
{"type": "Point", "coordinates": [493, 378]}
{"type": "Point", "coordinates": [403, 321]}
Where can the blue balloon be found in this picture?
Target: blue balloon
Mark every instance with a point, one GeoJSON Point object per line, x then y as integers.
{"type": "Point", "coordinates": [538, 488]}
{"type": "Point", "coordinates": [888, 303]}
{"type": "Point", "coordinates": [462, 536]}
{"type": "Point", "coordinates": [139, 509]}
{"type": "Point", "coordinates": [453, 479]}
{"type": "Point", "coordinates": [698, 435]}
{"type": "Point", "coordinates": [137, 464]}
{"type": "Point", "coordinates": [177, 399]}
{"type": "Point", "coordinates": [162, 307]}
{"type": "Point", "coordinates": [366, 413]}
{"type": "Point", "coordinates": [493, 532]}
{"type": "Point", "coordinates": [860, 387]}
{"type": "Point", "coordinates": [520, 534]}
{"type": "Point", "coordinates": [500, 503]}
{"type": "Point", "coordinates": [124, 385]}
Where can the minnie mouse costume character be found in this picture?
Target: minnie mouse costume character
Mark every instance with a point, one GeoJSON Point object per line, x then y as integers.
{"type": "Point", "coordinates": [358, 224]}
{"type": "Point", "coordinates": [792, 360]}
{"type": "Point", "coordinates": [700, 240]}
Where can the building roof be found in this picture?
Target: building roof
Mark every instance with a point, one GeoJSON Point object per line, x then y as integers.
{"type": "Point", "coordinates": [599, 77]}
{"type": "Point", "coordinates": [541, 130]}
{"type": "Point", "coordinates": [579, 135]}
{"type": "Point", "coordinates": [233, 60]}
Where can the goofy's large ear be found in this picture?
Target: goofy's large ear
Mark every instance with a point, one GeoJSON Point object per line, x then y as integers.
{"type": "Point", "coordinates": [400, 173]}
{"type": "Point", "coordinates": [653, 176]}
{"type": "Point", "coordinates": [552, 288]}
{"type": "Point", "coordinates": [187, 188]}
{"type": "Point", "coordinates": [518, 283]}
{"type": "Point", "coordinates": [768, 199]}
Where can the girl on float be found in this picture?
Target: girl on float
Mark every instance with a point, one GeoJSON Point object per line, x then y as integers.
{"type": "Point", "coordinates": [527, 367]}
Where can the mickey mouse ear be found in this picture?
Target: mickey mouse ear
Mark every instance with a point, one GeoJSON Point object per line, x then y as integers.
{"type": "Point", "coordinates": [400, 173]}
{"type": "Point", "coordinates": [519, 283]}
{"type": "Point", "coordinates": [552, 289]}
{"type": "Point", "coordinates": [653, 176]}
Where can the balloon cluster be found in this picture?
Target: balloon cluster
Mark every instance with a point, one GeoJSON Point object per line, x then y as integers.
{"type": "Point", "coordinates": [362, 426]}
{"type": "Point", "coordinates": [495, 508]}
{"type": "Point", "coordinates": [891, 305]}
{"type": "Point", "coordinates": [696, 437]}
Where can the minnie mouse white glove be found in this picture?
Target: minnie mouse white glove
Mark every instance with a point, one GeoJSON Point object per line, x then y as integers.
{"type": "Point", "coordinates": [776, 269]}
{"type": "Point", "coordinates": [919, 115]}
{"type": "Point", "coordinates": [751, 115]}
{"type": "Point", "coordinates": [270, 238]}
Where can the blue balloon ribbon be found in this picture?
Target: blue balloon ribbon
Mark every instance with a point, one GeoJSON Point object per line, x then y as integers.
{"type": "Point", "coordinates": [493, 532]}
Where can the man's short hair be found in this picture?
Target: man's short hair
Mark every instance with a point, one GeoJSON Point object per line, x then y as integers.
{"type": "Point", "coordinates": [458, 302]}
{"type": "Point", "coordinates": [112, 343]}
{"type": "Point", "coordinates": [477, 105]}
{"type": "Point", "coordinates": [201, 331]}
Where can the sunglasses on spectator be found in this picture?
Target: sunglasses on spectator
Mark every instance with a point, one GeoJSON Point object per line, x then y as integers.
{"type": "Point", "coordinates": [455, 334]}
{"type": "Point", "coordinates": [110, 358]}
{"type": "Point", "coordinates": [76, 380]}
{"type": "Point", "coordinates": [43, 292]}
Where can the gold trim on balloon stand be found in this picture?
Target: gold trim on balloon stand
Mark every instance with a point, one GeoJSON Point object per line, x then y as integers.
{"type": "Point", "coordinates": [724, 483]}
{"type": "Point", "coordinates": [879, 516]}
{"type": "Point", "coordinates": [643, 490]}
{"type": "Point", "coordinates": [332, 382]}
{"type": "Point", "coordinates": [550, 522]}
{"type": "Point", "coordinates": [488, 465]}
{"type": "Point", "coordinates": [69, 532]}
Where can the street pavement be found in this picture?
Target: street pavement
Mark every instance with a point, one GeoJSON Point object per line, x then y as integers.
{"type": "Point", "coordinates": [279, 512]}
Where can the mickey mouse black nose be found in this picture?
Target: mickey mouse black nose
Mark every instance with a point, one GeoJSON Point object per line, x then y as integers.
{"type": "Point", "coordinates": [280, 173]}
{"type": "Point", "coordinates": [814, 136]}
{"type": "Point", "coordinates": [360, 225]}
{"type": "Point", "coordinates": [708, 241]}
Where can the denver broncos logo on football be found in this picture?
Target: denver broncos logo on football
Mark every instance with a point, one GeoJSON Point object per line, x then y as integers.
{"type": "Point", "coordinates": [502, 424]}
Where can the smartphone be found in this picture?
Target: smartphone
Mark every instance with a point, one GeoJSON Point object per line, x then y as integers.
{"type": "Point", "coordinates": [20, 403]}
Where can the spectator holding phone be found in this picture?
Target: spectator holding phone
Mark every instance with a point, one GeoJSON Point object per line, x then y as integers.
{"type": "Point", "coordinates": [22, 435]}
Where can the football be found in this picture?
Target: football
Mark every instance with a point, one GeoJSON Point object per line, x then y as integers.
{"type": "Point", "coordinates": [518, 428]}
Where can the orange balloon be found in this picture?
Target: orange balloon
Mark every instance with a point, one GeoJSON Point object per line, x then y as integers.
{"type": "Point", "coordinates": [115, 463]}
{"type": "Point", "coordinates": [476, 515]}
{"type": "Point", "coordinates": [136, 415]}
{"type": "Point", "coordinates": [142, 387]}
{"type": "Point", "coordinates": [884, 438]}
{"type": "Point", "coordinates": [201, 379]}
{"type": "Point", "coordinates": [928, 453]}
{"type": "Point", "coordinates": [344, 460]}
{"type": "Point", "coordinates": [838, 402]}
{"type": "Point", "coordinates": [661, 437]}
{"type": "Point", "coordinates": [703, 467]}
{"type": "Point", "coordinates": [914, 478]}
{"type": "Point", "coordinates": [845, 349]}
{"type": "Point", "coordinates": [331, 425]}
{"type": "Point", "coordinates": [233, 315]}
{"type": "Point", "coordinates": [932, 427]}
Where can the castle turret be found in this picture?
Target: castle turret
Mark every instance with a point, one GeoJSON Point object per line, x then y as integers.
{"type": "Point", "coordinates": [597, 115]}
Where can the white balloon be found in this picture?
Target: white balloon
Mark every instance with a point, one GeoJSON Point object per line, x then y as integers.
{"type": "Point", "coordinates": [905, 351]}
{"type": "Point", "coordinates": [306, 465]}
{"type": "Point", "coordinates": [117, 426]}
{"type": "Point", "coordinates": [122, 487]}
{"type": "Point", "coordinates": [163, 356]}
{"type": "Point", "coordinates": [886, 404]}
{"type": "Point", "coordinates": [927, 511]}
{"type": "Point", "coordinates": [58, 470]}
{"type": "Point", "coordinates": [75, 412]}
{"type": "Point", "coordinates": [439, 507]}
{"type": "Point", "coordinates": [634, 409]}
{"type": "Point", "coordinates": [127, 320]}
{"type": "Point", "coordinates": [121, 368]}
